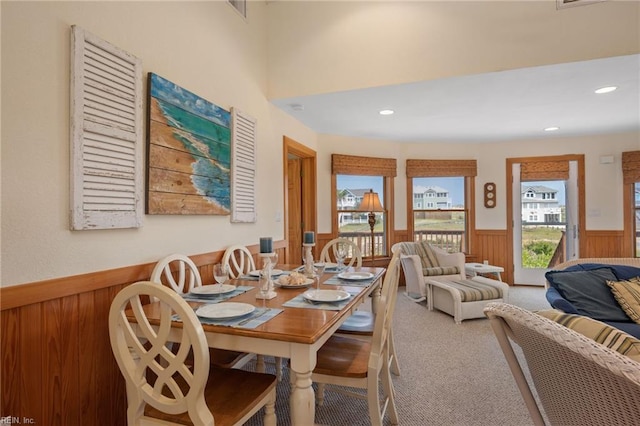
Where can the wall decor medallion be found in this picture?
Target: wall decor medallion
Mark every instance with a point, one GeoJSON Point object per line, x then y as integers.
{"type": "Point", "coordinates": [489, 195]}
{"type": "Point", "coordinates": [188, 152]}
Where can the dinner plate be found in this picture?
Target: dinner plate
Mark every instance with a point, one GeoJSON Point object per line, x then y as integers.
{"type": "Point", "coordinates": [225, 310]}
{"type": "Point", "coordinates": [355, 276]}
{"type": "Point", "coordinates": [274, 273]}
{"type": "Point", "coordinates": [326, 295]}
{"type": "Point", "coordinates": [213, 290]}
{"type": "Point", "coordinates": [306, 283]}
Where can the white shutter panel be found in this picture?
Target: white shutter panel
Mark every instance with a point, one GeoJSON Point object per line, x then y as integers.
{"type": "Point", "coordinates": [243, 167]}
{"type": "Point", "coordinates": [106, 135]}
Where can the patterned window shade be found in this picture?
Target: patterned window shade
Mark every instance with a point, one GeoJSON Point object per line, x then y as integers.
{"type": "Point", "coordinates": [631, 166]}
{"type": "Point", "coordinates": [363, 166]}
{"type": "Point", "coordinates": [441, 168]}
{"type": "Point", "coordinates": [545, 170]}
{"type": "Point", "coordinates": [106, 135]}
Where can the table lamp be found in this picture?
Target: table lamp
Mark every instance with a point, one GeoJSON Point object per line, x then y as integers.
{"type": "Point", "coordinates": [371, 203]}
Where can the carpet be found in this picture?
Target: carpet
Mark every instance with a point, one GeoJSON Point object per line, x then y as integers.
{"type": "Point", "coordinates": [450, 374]}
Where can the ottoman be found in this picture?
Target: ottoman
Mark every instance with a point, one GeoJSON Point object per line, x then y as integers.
{"type": "Point", "coordinates": [464, 299]}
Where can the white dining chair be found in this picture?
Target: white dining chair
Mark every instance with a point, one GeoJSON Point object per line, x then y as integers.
{"type": "Point", "coordinates": [240, 262]}
{"type": "Point", "coordinates": [354, 254]}
{"type": "Point", "coordinates": [168, 387]}
{"type": "Point", "coordinates": [180, 273]}
{"type": "Point", "coordinates": [355, 363]}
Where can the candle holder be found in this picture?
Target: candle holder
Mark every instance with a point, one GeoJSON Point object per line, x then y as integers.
{"type": "Point", "coordinates": [308, 260]}
{"type": "Point", "coordinates": [265, 290]}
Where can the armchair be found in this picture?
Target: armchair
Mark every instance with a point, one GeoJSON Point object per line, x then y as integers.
{"type": "Point", "coordinates": [435, 262]}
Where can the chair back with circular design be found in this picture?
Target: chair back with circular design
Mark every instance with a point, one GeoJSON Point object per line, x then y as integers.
{"type": "Point", "coordinates": [239, 260]}
{"type": "Point", "coordinates": [354, 254]}
{"type": "Point", "coordinates": [187, 274]}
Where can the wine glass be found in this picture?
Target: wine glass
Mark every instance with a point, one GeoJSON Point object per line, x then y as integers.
{"type": "Point", "coordinates": [273, 261]}
{"type": "Point", "coordinates": [318, 269]}
{"type": "Point", "coordinates": [220, 273]}
{"type": "Point", "coordinates": [341, 254]}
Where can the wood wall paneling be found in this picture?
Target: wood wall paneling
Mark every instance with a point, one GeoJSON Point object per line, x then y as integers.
{"type": "Point", "coordinates": [491, 245]}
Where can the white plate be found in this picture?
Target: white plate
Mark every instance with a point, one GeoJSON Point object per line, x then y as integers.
{"type": "Point", "coordinates": [306, 283]}
{"type": "Point", "coordinates": [355, 276]}
{"type": "Point", "coordinates": [274, 273]}
{"type": "Point", "coordinates": [326, 295]}
{"type": "Point", "coordinates": [213, 290]}
{"type": "Point", "coordinates": [225, 310]}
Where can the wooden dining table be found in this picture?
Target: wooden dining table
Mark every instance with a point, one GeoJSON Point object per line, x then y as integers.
{"type": "Point", "coordinates": [296, 333]}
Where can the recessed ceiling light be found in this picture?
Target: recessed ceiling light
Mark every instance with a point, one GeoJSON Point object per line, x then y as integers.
{"type": "Point", "coordinates": [297, 107]}
{"type": "Point", "coordinates": [551, 129]}
{"type": "Point", "coordinates": [387, 112]}
{"type": "Point", "coordinates": [606, 89]}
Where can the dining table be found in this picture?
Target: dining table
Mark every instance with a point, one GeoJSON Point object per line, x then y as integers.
{"type": "Point", "coordinates": [294, 328]}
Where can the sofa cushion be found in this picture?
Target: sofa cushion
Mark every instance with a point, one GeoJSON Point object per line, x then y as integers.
{"type": "Point", "coordinates": [622, 272]}
{"type": "Point", "coordinates": [627, 293]}
{"type": "Point", "coordinates": [589, 293]}
{"type": "Point", "coordinates": [440, 270]}
{"type": "Point", "coordinates": [424, 251]}
{"type": "Point", "coordinates": [598, 331]}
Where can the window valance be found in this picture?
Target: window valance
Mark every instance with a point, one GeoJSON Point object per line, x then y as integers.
{"type": "Point", "coordinates": [544, 170]}
{"type": "Point", "coordinates": [631, 166]}
{"type": "Point", "coordinates": [441, 168]}
{"type": "Point", "coordinates": [363, 166]}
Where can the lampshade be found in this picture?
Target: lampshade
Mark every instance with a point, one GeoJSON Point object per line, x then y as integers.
{"type": "Point", "coordinates": [371, 202]}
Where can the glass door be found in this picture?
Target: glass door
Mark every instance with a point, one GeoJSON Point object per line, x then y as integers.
{"type": "Point", "coordinates": [545, 225]}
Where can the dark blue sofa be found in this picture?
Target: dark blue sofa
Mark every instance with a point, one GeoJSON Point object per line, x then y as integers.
{"type": "Point", "coordinates": [579, 287]}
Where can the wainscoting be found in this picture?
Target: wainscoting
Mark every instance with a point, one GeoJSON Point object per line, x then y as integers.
{"type": "Point", "coordinates": [57, 366]}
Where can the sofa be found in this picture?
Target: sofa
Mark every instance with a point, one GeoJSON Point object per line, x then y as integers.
{"type": "Point", "coordinates": [435, 262]}
{"type": "Point", "coordinates": [595, 288]}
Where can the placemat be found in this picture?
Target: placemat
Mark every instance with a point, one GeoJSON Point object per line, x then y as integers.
{"type": "Point", "coordinates": [253, 320]}
{"type": "Point", "coordinates": [218, 298]}
{"type": "Point", "coordinates": [300, 302]}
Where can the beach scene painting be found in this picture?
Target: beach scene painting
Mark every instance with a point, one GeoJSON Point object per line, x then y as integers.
{"type": "Point", "coordinates": [188, 153]}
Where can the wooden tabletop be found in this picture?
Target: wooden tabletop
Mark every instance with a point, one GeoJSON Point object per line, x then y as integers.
{"type": "Point", "coordinates": [300, 325]}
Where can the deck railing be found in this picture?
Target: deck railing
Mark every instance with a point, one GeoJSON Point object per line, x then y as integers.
{"type": "Point", "coordinates": [451, 241]}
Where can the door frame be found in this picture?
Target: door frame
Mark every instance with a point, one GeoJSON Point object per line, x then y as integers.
{"type": "Point", "coordinates": [579, 159]}
{"type": "Point", "coordinates": [309, 178]}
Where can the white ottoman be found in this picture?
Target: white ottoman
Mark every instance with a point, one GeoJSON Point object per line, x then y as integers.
{"type": "Point", "coordinates": [464, 299]}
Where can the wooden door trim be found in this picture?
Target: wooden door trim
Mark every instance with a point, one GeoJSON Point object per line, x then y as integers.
{"type": "Point", "coordinates": [309, 170]}
{"type": "Point", "coordinates": [579, 158]}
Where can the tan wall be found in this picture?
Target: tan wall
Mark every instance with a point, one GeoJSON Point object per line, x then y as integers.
{"type": "Point", "coordinates": [205, 47]}
{"type": "Point", "coordinates": [328, 46]}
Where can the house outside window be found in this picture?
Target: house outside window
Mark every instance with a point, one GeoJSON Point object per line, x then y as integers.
{"type": "Point", "coordinates": [352, 177]}
{"type": "Point", "coordinates": [446, 219]}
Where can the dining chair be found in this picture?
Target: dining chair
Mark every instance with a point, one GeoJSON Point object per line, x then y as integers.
{"type": "Point", "coordinates": [162, 387]}
{"type": "Point", "coordinates": [328, 253]}
{"type": "Point", "coordinates": [355, 363]}
{"type": "Point", "coordinates": [240, 262]}
{"type": "Point", "coordinates": [180, 273]}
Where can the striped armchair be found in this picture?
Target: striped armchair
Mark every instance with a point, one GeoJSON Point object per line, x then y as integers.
{"type": "Point", "coordinates": [434, 262]}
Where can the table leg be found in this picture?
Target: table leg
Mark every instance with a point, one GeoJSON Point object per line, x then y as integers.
{"type": "Point", "coordinates": [302, 401]}
{"type": "Point", "coordinates": [375, 298]}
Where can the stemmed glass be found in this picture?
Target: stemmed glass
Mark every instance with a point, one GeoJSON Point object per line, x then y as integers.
{"type": "Point", "coordinates": [341, 254]}
{"type": "Point", "coordinates": [220, 273]}
{"type": "Point", "coordinates": [318, 269]}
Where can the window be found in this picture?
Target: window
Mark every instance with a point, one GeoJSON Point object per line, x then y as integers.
{"type": "Point", "coordinates": [352, 177]}
{"type": "Point", "coordinates": [446, 221]}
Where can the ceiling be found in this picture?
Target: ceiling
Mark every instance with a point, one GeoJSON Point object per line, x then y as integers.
{"type": "Point", "coordinates": [499, 106]}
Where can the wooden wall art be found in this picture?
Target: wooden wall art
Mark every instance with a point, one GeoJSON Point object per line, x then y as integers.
{"type": "Point", "coordinates": [188, 152]}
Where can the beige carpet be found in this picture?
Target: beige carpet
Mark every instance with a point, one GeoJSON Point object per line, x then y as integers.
{"type": "Point", "coordinates": [451, 374]}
